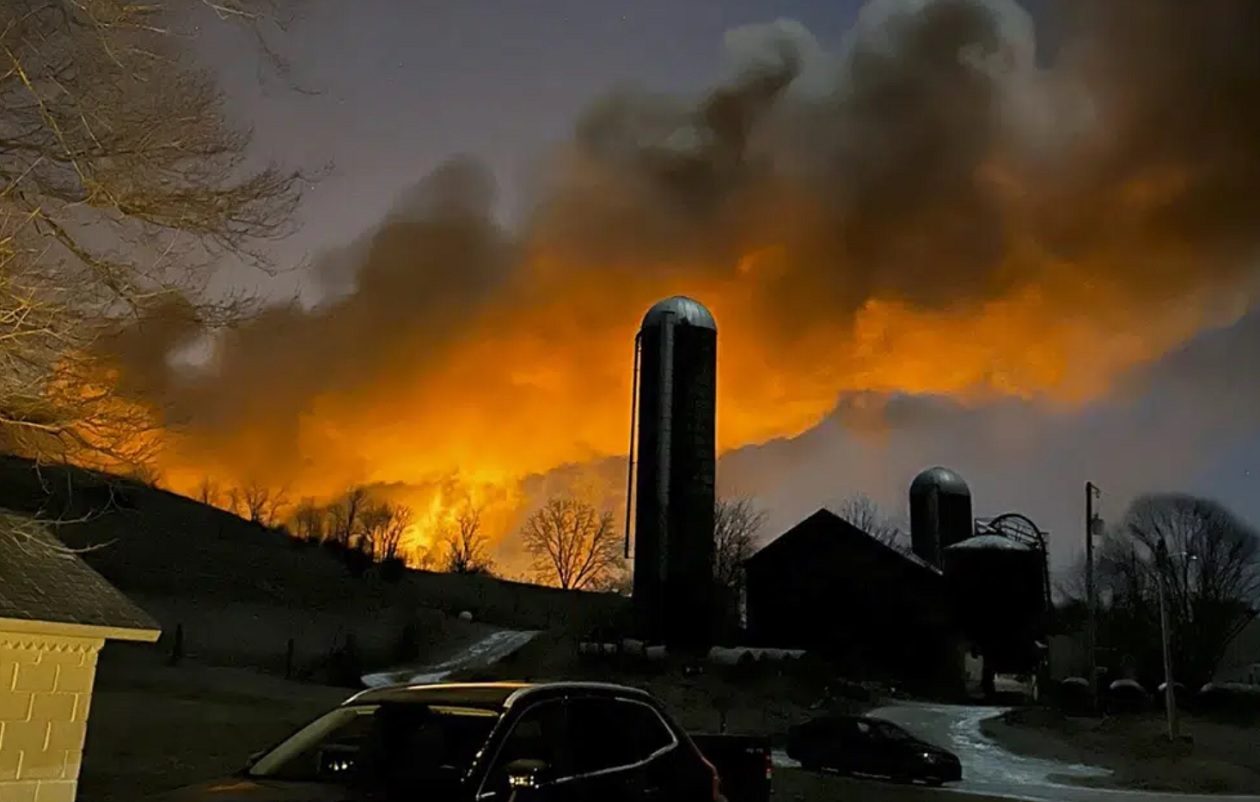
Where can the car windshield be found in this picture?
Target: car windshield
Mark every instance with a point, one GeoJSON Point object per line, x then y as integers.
{"type": "Point", "coordinates": [332, 747]}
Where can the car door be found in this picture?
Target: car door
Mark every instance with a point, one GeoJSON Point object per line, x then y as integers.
{"type": "Point", "coordinates": [623, 751]}
{"type": "Point", "coordinates": [830, 743]}
{"type": "Point", "coordinates": [539, 733]}
{"type": "Point", "coordinates": [866, 750]}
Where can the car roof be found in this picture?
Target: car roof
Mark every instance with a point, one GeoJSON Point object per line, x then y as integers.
{"type": "Point", "coordinates": [490, 695]}
{"type": "Point", "coordinates": [844, 718]}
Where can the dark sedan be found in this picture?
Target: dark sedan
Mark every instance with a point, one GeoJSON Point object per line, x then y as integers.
{"type": "Point", "coordinates": [869, 746]}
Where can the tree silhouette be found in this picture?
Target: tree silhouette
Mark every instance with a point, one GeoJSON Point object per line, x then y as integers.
{"type": "Point", "coordinates": [208, 492]}
{"type": "Point", "coordinates": [573, 545]}
{"type": "Point", "coordinates": [737, 525]}
{"type": "Point", "coordinates": [309, 520]}
{"type": "Point", "coordinates": [258, 503]}
{"type": "Point", "coordinates": [343, 525]}
{"type": "Point", "coordinates": [1211, 580]}
{"type": "Point", "coordinates": [465, 548]}
{"type": "Point", "coordinates": [122, 186]}
{"type": "Point", "coordinates": [383, 526]}
{"type": "Point", "coordinates": [862, 511]}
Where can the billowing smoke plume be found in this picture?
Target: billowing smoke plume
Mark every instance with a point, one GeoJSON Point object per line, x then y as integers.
{"type": "Point", "coordinates": [927, 210]}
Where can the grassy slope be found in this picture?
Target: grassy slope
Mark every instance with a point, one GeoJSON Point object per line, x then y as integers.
{"type": "Point", "coordinates": [1222, 759]}
{"type": "Point", "coordinates": [150, 542]}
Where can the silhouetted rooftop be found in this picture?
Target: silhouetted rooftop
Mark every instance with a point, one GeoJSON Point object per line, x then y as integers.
{"type": "Point", "coordinates": [42, 580]}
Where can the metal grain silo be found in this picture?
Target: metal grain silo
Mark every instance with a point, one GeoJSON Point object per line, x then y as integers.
{"type": "Point", "coordinates": [940, 513]}
{"type": "Point", "coordinates": [998, 589]}
{"type": "Point", "coordinates": [676, 418]}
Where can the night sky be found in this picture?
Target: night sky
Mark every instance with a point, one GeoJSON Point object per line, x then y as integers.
{"type": "Point", "coordinates": [403, 85]}
{"type": "Point", "coordinates": [406, 84]}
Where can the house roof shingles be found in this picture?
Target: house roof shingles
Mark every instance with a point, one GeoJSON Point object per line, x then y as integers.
{"type": "Point", "coordinates": [42, 580]}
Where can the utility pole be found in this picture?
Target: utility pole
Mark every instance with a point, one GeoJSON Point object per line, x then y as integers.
{"type": "Point", "coordinates": [1091, 603]}
{"type": "Point", "coordinates": [1170, 695]}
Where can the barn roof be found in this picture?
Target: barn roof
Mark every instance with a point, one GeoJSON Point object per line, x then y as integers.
{"type": "Point", "coordinates": [821, 528]}
{"type": "Point", "coordinates": [43, 581]}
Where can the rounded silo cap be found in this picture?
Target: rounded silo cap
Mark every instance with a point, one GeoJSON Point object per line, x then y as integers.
{"type": "Point", "coordinates": [988, 543]}
{"type": "Point", "coordinates": [688, 310]}
{"type": "Point", "coordinates": [942, 479]}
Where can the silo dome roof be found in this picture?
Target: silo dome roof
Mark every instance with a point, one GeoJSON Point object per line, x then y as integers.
{"type": "Point", "coordinates": [988, 543]}
{"type": "Point", "coordinates": [690, 311]}
{"type": "Point", "coordinates": [943, 479]}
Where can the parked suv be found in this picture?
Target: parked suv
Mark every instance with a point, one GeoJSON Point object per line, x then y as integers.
{"type": "Point", "coordinates": [488, 742]}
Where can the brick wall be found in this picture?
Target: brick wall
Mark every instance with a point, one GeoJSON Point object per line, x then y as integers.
{"type": "Point", "coordinates": [45, 694]}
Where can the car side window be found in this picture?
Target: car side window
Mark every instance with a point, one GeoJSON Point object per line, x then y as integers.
{"type": "Point", "coordinates": [834, 728]}
{"type": "Point", "coordinates": [540, 733]}
{"type": "Point", "coordinates": [614, 733]}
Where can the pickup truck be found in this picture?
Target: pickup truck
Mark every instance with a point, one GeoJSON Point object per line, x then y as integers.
{"type": "Point", "coordinates": [497, 742]}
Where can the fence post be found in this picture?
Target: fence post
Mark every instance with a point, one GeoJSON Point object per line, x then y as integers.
{"type": "Point", "coordinates": [177, 646]}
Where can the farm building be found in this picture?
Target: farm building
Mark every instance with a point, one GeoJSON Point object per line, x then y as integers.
{"type": "Point", "coordinates": [828, 587]}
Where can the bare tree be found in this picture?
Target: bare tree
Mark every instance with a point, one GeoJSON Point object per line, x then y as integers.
{"type": "Point", "coordinates": [423, 557]}
{"type": "Point", "coordinates": [309, 520]}
{"type": "Point", "coordinates": [737, 525]}
{"type": "Point", "coordinates": [862, 511]}
{"type": "Point", "coordinates": [343, 524]}
{"type": "Point", "coordinates": [573, 545]}
{"type": "Point", "coordinates": [258, 502]}
{"type": "Point", "coordinates": [208, 492]}
{"type": "Point", "coordinates": [383, 527]}
{"type": "Point", "coordinates": [122, 184]}
{"type": "Point", "coordinates": [1210, 579]}
{"type": "Point", "coordinates": [144, 472]}
{"type": "Point", "coordinates": [465, 547]}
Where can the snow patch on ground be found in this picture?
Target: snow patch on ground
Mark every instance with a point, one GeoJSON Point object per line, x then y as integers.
{"type": "Point", "coordinates": [487, 651]}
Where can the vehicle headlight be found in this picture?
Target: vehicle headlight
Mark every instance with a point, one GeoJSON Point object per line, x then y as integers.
{"type": "Point", "coordinates": [931, 757]}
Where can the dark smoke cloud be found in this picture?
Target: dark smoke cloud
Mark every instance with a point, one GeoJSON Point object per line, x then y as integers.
{"type": "Point", "coordinates": [1162, 433]}
{"type": "Point", "coordinates": [931, 161]}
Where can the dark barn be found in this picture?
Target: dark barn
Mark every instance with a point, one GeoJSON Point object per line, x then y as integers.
{"type": "Point", "coordinates": [830, 588]}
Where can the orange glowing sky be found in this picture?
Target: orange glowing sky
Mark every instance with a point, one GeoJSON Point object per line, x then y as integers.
{"type": "Point", "coordinates": [980, 228]}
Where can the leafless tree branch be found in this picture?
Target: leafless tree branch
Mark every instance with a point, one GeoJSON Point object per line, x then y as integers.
{"type": "Point", "coordinates": [465, 548]}
{"type": "Point", "coordinates": [384, 526]}
{"type": "Point", "coordinates": [737, 526]}
{"type": "Point", "coordinates": [862, 511]}
{"type": "Point", "coordinates": [122, 184]}
{"type": "Point", "coordinates": [573, 545]}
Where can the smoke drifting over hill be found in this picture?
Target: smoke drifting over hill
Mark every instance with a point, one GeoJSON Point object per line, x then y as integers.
{"type": "Point", "coordinates": [924, 211]}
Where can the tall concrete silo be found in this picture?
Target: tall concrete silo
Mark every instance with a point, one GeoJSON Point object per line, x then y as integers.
{"type": "Point", "coordinates": [676, 458]}
{"type": "Point", "coordinates": [940, 513]}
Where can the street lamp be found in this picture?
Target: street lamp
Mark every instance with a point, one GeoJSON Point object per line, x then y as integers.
{"type": "Point", "coordinates": [1170, 697]}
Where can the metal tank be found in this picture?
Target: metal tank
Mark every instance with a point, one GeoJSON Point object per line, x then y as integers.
{"type": "Point", "coordinates": [940, 513]}
{"type": "Point", "coordinates": [673, 461]}
{"type": "Point", "coordinates": [997, 585]}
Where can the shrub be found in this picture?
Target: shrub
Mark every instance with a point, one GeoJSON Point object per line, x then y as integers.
{"type": "Point", "coordinates": [393, 569]}
{"type": "Point", "coordinates": [357, 561]}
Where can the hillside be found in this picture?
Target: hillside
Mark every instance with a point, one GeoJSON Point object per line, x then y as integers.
{"type": "Point", "coordinates": [241, 591]}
